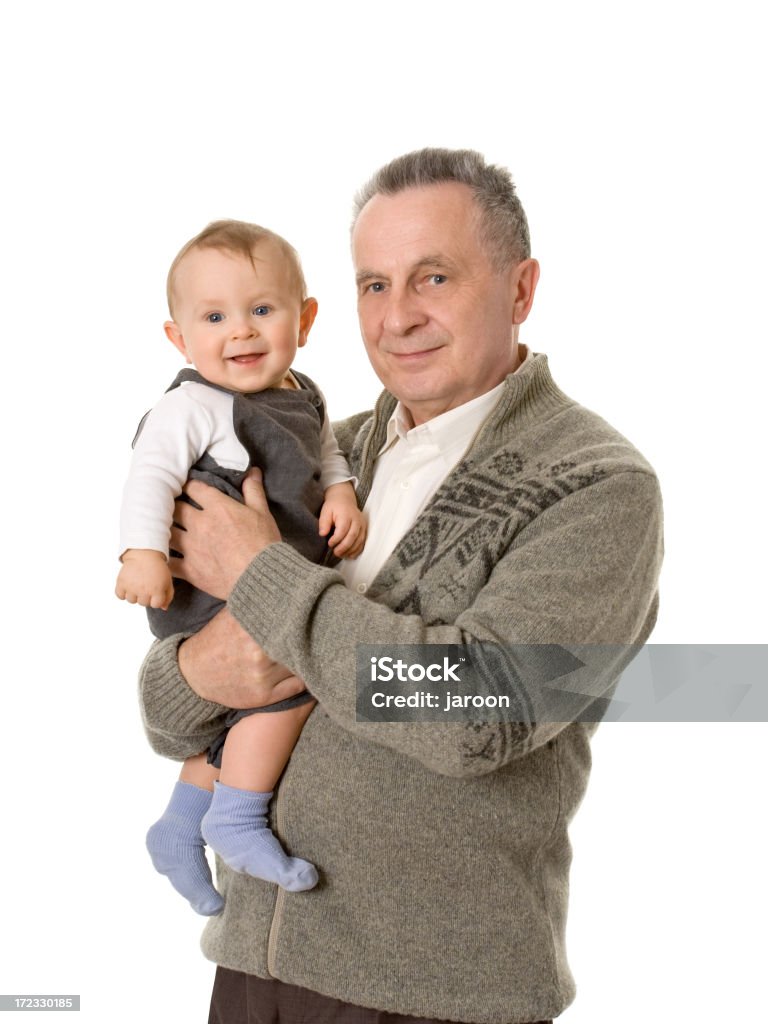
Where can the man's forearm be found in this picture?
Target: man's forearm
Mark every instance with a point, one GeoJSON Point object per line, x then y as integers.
{"type": "Point", "coordinates": [187, 687]}
{"type": "Point", "coordinates": [545, 590]}
{"type": "Point", "coordinates": [178, 722]}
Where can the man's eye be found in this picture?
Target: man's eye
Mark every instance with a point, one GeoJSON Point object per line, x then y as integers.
{"type": "Point", "coordinates": [215, 318]}
{"type": "Point", "coordinates": [438, 278]}
{"type": "Point", "coordinates": [376, 286]}
{"type": "Point", "coordinates": [260, 310]}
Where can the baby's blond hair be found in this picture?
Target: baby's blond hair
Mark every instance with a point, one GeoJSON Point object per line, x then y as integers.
{"type": "Point", "coordinates": [240, 238]}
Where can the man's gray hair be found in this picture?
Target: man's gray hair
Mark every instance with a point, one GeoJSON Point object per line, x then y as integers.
{"type": "Point", "coordinates": [503, 224]}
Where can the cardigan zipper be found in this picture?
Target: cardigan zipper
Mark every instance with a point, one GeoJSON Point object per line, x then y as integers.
{"type": "Point", "coordinates": [277, 914]}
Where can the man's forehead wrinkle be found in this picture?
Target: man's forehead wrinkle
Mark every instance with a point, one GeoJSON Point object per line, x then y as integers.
{"type": "Point", "coordinates": [432, 260]}
{"type": "Point", "coordinates": [404, 233]}
{"type": "Point", "coordinates": [438, 260]}
{"type": "Point", "coordinates": [367, 275]}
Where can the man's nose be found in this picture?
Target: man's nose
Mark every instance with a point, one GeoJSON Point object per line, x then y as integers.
{"type": "Point", "coordinates": [403, 311]}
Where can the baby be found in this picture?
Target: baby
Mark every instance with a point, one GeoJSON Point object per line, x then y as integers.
{"type": "Point", "coordinates": [237, 299]}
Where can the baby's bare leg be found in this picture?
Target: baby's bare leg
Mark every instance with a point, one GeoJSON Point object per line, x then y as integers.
{"type": "Point", "coordinates": [258, 748]}
{"type": "Point", "coordinates": [197, 772]}
{"type": "Point", "coordinates": [176, 843]}
{"type": "Point", "coordinates": [255, 754]}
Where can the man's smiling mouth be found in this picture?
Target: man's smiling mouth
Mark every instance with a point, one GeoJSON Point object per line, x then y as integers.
{"type": "Point", "coordinates": [416, 354]}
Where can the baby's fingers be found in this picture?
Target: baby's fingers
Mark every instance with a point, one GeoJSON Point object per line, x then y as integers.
{"type": "Point", "coordinates": [161, 599]}
{"type": "Point", "coordinates": [351, 544]}
{"type": "Point", "coordinates": [326, 520]}
{"type": "Point", "coordinates": [341, 527]}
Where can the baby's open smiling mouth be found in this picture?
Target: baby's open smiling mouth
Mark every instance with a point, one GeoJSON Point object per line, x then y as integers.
{"type": "Point", "coordinates": [250, 357]}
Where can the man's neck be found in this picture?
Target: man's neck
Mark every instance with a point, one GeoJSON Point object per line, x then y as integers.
{"type": "Point", "coordinates": [424, 415]}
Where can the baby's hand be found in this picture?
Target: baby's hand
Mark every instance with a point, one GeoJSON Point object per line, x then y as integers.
{"type": "Point", "coordinates": [145, 579]}
{"type": "Point", "coordinates": [340, 513]}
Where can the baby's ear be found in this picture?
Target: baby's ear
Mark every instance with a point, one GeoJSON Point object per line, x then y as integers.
{"type": "Point", "coordinates": [308, 314]}
{"type": "Point", "coordinates": [174, 335]}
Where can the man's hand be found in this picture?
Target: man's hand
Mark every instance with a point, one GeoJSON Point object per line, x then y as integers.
{"type": "Point", "coordinates": [145, 579]}
{"type": "Point", "coordinates": [222, 664]}
{"type": "Point", "coordinates": [220, 539]}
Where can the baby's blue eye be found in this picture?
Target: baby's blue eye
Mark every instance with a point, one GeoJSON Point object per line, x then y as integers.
{"type": "Point", "coordinates": [260, 310]}
{"type": "Point", "coordinates": [214, 318]}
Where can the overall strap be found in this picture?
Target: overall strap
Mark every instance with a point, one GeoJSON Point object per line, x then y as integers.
{"type": "Point", "coordinates": [309, 385]}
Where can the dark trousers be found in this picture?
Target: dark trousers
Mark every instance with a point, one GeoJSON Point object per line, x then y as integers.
{"type": "Point", "coordinates": [245, 999]}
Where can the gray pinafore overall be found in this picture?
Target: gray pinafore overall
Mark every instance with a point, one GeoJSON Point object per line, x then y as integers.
{"type": "Point", "coordinates": [280, 430]}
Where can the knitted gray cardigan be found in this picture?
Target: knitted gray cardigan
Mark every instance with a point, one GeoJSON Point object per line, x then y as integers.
{"type": "Point", "coordinates": [442, 848]}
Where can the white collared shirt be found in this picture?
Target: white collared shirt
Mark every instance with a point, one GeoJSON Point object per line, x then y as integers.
{"type": "Point", "coordinates": [410, 467]}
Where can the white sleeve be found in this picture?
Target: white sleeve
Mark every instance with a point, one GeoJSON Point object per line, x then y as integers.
{"type": "Point", "coordinates": [175, 434]}
{"type": "Point", "coordinates": [334, 468]}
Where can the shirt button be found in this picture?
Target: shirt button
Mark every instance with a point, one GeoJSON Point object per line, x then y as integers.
{"type": "Point", "coordinates": [361, 588]}
{"type": "Point", "coordinates": [405, 484]}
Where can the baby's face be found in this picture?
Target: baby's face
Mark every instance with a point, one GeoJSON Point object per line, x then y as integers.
{"type": "Point", "coordinates": [239, 323]}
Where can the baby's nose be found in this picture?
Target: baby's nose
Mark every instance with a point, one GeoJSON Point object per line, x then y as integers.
{"type": "Point", "coordinates": [242, 328]}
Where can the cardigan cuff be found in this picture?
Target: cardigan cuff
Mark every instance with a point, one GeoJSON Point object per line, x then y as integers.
{"type": "Point", "coordinates": [274, 589]}
{"type": "Point", "coordinates": [168, 701]}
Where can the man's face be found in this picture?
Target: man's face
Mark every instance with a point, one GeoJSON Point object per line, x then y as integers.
{"type": "Point", "coordinates": [238, 322]}
{"type": "Point", "coordinates": [438, 321]}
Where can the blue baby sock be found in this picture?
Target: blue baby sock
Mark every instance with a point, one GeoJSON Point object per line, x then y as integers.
{"type": "Point", "coordinates": [177, 848]}
{"type": "Point", "coordinates": [236, 828]}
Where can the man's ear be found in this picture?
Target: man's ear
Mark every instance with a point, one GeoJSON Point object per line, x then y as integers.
{"type": "Point", "coordinates": [525, 277]}
{"type": "Point", "coordinates": [308, 314]}
{"type": "Point", "coordinates": [174, 335]}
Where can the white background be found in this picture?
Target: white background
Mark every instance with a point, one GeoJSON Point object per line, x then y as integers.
{"type": "Point", "coordinates": [636, 135]}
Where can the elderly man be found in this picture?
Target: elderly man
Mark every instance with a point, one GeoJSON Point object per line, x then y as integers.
{"type": "Point", "coordinates": [501, 511]}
